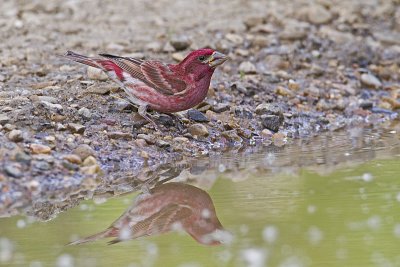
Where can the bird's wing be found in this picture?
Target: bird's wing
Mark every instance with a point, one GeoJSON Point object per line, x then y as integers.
{"type": "Point", "coordinates": [154, 73]}
{"type": "Point", "coordinates": [159, 222]}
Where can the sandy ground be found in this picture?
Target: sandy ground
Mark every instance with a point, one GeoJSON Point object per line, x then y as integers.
{"type": "Point", "coordinates": [297, 68]}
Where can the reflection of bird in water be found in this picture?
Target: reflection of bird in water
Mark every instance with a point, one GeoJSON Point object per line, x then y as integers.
{"type": "Point", "coordinates": [170, 206]}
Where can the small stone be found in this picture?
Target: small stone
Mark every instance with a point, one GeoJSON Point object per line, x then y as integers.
{"type": "Point", "coordinates": [144, 154]}
{"type": "Point", "coordinates": [149, 138]}
{"type": "Point", "coordinates": [180, 42]}
{"type": "Point", "coordinates": [318, 14]}
{"type": "Point", "coordinates": [154, 46]}
{"type": "Point", "coordinates": [242, 52]}
{"type": "Point", "coordinates": [293, 85]}
{"type": "Point", "coordinates": [197, 116]}
{"type": "Point", "coordinates": [178, 56]}
{"type": "Point", "coordinates": [166, 120]}
{"type": "Point", "coordinates": [162, 143]}
{"type": "Point", "coordinates": [41, 165]}
{"type": "Point", "coordinates": [43, 85]}
{"type": "Point", "coordinates": [366, 105]}
{"type": "Point", "coordinates": [72, 158]}
{"type": "Point", "coordinates": [220, 107]}
{"type": "Point", "coordinates": [180, 139]}
{"type": "Point", "coordinates": [40, 149]}
{"type": "Point", "coordinates": [15, 136]}
{"type": "Point", "coordinates": [91, 170]}
{"type": "Point", "coordinates": [247, 68]}
{"type": "Point", "coordinates": [266, 133]}
{"type": "Point", "coordinates": [292, 33]}
{"type": "Point", "coordinates": [234, 38]}
{"type": "Point", "coordinates": [272, 122]}
{"type": "Point", "coordinates": [4, 119]}
{"type": "Point", "coordinates": [84, 151]}
{"type": "Point", "coordinates": [13, 170]}
{"type": "Point", "coordinates": [76, 128]}
{"type": "Point", "coordinates": [120, 135]}
{"type": "Point", "coordinates": [96, 74]}
{"type": "Point", "coordinates": [269, 108]}
{"type": "Point", "coordinates": [85, 113]}
{"type": "Point", "coordinates": [279, 139]}
{"type": "Point", "coordinates": [198, 130]}
{"type": "Point", "coordinates": [253, 21]}
{"type": "Point", "coordinates": [89, 161]}
{"type": "Point", "coordinates": [280, 90]}
{"type": "Point", "coordinates": [9, 127]}
{"type": "Point", "coordinates": [370, 80]}
{"type": "Point", "coordinates": [232, 136]}
{"type": "Point", "coordinates": [22, 157]}
{"type": "Point", "coordinates": [99, 90]}
{"type": "Point", "coordinates": [55, 108]}
{"type": "Point", "coordinates": [60, 127]}
{"type": "Point", "coordinates": [168, 48]}
{"type": "Point", "coordinates": [141, 142]}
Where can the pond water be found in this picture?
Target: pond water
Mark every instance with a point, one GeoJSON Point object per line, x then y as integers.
{"type": "Point", "coordinates": [327, 201]}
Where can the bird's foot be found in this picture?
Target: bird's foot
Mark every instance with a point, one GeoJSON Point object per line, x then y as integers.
{"type": "Point", "coordinates": [142, 110]}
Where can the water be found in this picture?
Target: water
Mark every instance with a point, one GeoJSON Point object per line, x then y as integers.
{"type": "Point", "coordinates": [330, 201]}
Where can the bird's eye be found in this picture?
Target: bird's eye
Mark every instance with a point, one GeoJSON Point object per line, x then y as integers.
{"type": "Point", "coordinates": [201, 58]}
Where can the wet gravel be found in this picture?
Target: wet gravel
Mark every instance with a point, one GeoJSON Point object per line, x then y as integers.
{"type": "Point", "coordinates": [296, 70]}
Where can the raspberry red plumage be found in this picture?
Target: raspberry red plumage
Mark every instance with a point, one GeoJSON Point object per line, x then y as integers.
{"type": "Point", "coordinates": [162, 87]}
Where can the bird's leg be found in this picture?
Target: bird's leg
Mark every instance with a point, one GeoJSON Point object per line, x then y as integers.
{"type": "Point", "coordinates": [142, 110]}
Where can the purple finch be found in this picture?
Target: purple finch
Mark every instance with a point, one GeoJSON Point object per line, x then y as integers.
{"type": "Point", "coordinates": [152, 84]}
{"type": "Point", "coordinates": [166, 207]}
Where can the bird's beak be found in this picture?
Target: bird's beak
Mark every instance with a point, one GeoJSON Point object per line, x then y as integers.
{"type": "Point", "coordinates": [217, 59]}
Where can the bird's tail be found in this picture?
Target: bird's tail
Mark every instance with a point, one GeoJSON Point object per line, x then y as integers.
{"type": "Point", "coordinates": [109, 232]}
{"type": "Point", "coordinates": [82, 59]}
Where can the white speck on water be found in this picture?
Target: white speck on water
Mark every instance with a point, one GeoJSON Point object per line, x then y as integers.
{"type": "Point", "coordinates": [21, 223]}
{"type": "Point", "coordinates": [224, 256]}
{"type": "Point", "coordinates": [270, 158]}
{"type": "Point", "coordinates": [374, 222]}
{"type": "Point", "coordinates": [221, 167]}
{"type": "Point", "coordinates": [152, 249]}
{"type": "Point", "coordinates": [315, 235]}
{"type": "Point", "coordinates": [125, 233]}
{"type": "Point", "coordinates": [292, 261]}
{"type": "Point", "coordinates": [99, 200]}
{"type": "Point", "coordinates": [254, 257]}
{"type": "Point", "coordinates": [84, 207]}
{"type": "Point", "coordinates": [396, 230]}
{"type": "Point", "coordinates": [393, 132]}
{"type": "Point", "coordinates": [222, 236]}
{"type": "Point", "coordinates": [250, 196]}
{"type": "Point", "coordinates": [35, 264]}
{"type": "Point", "coordinates": [311, 209]}
{"type": "Point", "coordinates": [398, 197]}
{"type": "Point", "coordinates": [244, 229]}
{"type": "Point", "coordinates": [205, 213]}
{"type": "Point", "coordinates": [347, 154]}
{"type": "Point", "coordinates": [367, 177]}
{"type": "Point", "coordinates": [341, 254]}
{"type": "Point", "coordinates": [270, 234]}
{"type": "Point", "coordinates": [65, 260]}
{"type": "Point", "coordinates": [6, 250]}
{"type": "Point", "coordinates": [177, 226]}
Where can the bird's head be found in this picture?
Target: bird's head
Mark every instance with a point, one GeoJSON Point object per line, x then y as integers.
{"type": "Point", "coordinates": [202, 62]}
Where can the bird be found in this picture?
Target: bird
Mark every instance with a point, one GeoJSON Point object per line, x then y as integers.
{"type": "Point", "coordinates": [166, 207]}
{"type": "Point", "coordinates": [166, 88]}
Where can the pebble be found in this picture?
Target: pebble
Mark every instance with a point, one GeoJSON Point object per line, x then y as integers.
{"type": "Point", "coordinates": [232, 135]}
{"type": "Point", "coordinates": [220, 107]}
{"type": "Point", "coordinates": [370, 80]}
{"type": "Point", "coordinates": [41, 165]}
{"type": "Point", "coordinates": [198, 129]}
{"type": "Point", "coordinates": [16, 136]}
{"type": "Point", "coordinates": [269, 108]}
{"type": "Point", "coordinates": [149, 138]}
{"type": "Point", "coordinates": [22, 157]}
{"type": "Point", "coordinates": [89, 161]}
{"type": "Point", "coordinates": [266, 133]}
{"type": "Point", "coordinates": [318, 14]}
{"type": "Point", "coordinates": [154, 47]}
{"type": "Point", "coordinates": [180, 139]}
{"type": "Point", "coordinates": [272, 122]}
{"type": "Point", "coordinates": [4, 119]}
{"type": "Point", "coordinates": [168, 48]}
{"type": "Point", "coordinates": [279, 139]}
{"type": "Point", "coordinates": [196, 116]}
{"type": "Point", "coordinates": [247, 67]}
{"type": "Point", "coordinates": [55, 108]}
{"type": "Point", "coordinates": [76, 128]}
{"type": "Point", "coordinates": [43, 84]}
{"type": "Point", "coordinates": [96, 74]}
{"type": "Point", "coordinates": [13, 170]}
{"type": "Point", "coordinates": [120, 135]}
{"type": "Point", "coordinates": [84, 151]}
{"type": "Point", "coordinates": [40, 149]}
{"type": "Point", "coordinates": [85, 113]}
{"type": "Point", "coordinates": [178, 56]}
{"type": "Point", "coordinates": [180, 42]}
{"type": "Point", "coordinates": [99, 90]}
{"type": "Point", "coordinates": [234, 38]}
{"type": "Point", "coordinates": [72, 158]}
{"type": "Point", "coordinates": [166, 120]}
